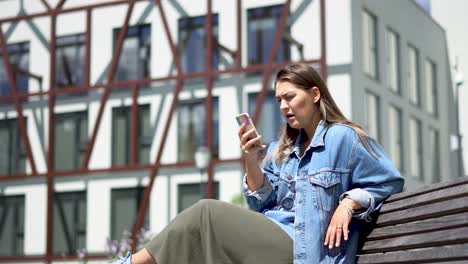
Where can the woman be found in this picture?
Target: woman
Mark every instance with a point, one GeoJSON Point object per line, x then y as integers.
{"type": "Point", "coordinates": [318, 183]}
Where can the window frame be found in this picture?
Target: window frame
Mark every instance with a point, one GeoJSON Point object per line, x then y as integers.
{"type": "Point", "coordinates": [17, 202]}
{"type": "Point", "coordinates": [272, 12]}
{"type": "Point", "coordinates": [80, 147]}
{"type": "Point", "coordinates": [76, 197]}
{"type": "Point", "coordinates": [78, 42]}
{"type": "Point", "coordinates": [22, 48]}
{"type": "Point", "coordinates": [370, 52]}
{"type": "Point", "coordinates": [183, 46]}
{"type": "Point", "coordinates": [143, 142]}
{"type": "Point", "coordinates": [191, 103]}
{"type": "Point", "coordinates": [145, 64]}
{"type": "Point", "coordinates": [119, 192]}
{"type": "Point", "coordinates": [17, 157]}
{"type": "Point", "coordinates": [393, 68]}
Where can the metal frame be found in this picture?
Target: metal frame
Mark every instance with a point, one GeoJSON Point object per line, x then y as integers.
{"type": "Point", "coordinates": [180, 77]}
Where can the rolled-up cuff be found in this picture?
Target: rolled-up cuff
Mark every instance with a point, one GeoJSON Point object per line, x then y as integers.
{"type": "Point", "coordinates": [364, 199]}
{"type": "Point", "coordinates": [262, 193]}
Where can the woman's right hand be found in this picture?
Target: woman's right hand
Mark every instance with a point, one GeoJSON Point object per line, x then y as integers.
{"type": "Point", "coordinates": [250, 143]}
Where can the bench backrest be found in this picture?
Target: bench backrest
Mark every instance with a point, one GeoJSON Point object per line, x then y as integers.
{"type": "Point", "coordinates": [426, 226]}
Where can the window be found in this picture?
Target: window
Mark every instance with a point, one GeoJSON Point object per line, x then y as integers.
{"type": "Point", "coordinates": [121, 125]}
{"type": "Point", "coordinates": [372, 116]}
{"type": "Point", "coordinates": [413, 76]}
{"type": "Point", "coordinates": [71, 138]}
{"type": "Point", "coordinates": [69, 229]}
{"type": "Point", "coordinates": [13, 155]}
{"type": "Point", "coordinates": [19, 60]}
{"type": "Point", "coordinates": [124, 210]}
{"type": "Point", "coordinates": [393, 61]}
{"type": "Point", "coordinates": [395, 137]}
{"type": "Point", "coordinates": [261, 27]}
{"type": "Point", "coordinates": [12, 225]}
{"type": "Point", "coordinates": [135, 58]}
{"type": "Point", "coordinates": [69, 61]}
{"type": "Point", "coordinates": [192, 128]}
{"type": "Point", "coordinates": [431, 87]}
{"type": "Point", "coordinates": [415, 148]}
{"type": "Point", "coordinates": [369, 33]}
{"type": "Point", "coordinates": [190, 193]}
{"type": "Point", "coordinates": [434, 158]}
{"type": "Point", "coordinates": [192, 43]}
{"type": "Point", "coordinates": [270, 120]}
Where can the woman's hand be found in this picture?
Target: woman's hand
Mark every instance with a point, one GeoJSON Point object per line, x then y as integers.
{"type": "Point", "coordinates": [250, 143]}
{"type": "Point", "coordinates": [338, 227]}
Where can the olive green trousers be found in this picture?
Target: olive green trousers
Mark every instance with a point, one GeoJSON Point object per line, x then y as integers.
{"type": "Point", "coordinates": [214, 232]}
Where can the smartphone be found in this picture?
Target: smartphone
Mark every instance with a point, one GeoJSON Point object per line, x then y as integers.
{"type": "Point", "coordinates": [244, 118]}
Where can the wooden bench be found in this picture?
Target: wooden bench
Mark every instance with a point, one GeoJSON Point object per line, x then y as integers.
{"type": "Point", "coordinates": [426, 226]}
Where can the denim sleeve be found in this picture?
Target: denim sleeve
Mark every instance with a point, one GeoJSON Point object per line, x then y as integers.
{"type": "Point", "coordinates": [374, 178]}
{"type": "Point", "coordinates": [264, 197]}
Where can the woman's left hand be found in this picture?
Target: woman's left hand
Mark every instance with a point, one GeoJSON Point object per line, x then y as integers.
{"type": "Point", "coordinates": [338, 227]}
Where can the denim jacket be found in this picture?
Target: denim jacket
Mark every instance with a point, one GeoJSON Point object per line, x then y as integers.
{"type": "Point", "coordinates": [336, 166]}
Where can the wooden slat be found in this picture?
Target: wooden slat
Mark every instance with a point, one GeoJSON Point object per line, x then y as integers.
{"type": "Point", "coordinates": [424, 212]}
{"type": "Point", "coordinates": [426, 189]}
{"type": "Point", "coordinates": [453, 192]}
{"type": "Point", "coordinates": [426, 255]}
{"type": "Point", "coordinates": [437, 238]}
{"type": "Point", "coordinates": [429, 225]}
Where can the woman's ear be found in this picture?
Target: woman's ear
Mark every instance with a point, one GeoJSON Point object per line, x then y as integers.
{"type": "Point", "coordinates": [316, 94]}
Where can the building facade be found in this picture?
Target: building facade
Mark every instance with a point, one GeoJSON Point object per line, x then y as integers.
{"type": "Point", "coordinates": [136, 87]}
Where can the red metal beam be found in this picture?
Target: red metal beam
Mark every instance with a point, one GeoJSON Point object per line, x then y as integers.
{"type": "Point", "coordinates": [51, 145]}
{"type": "Point", "coordinates": [16, 101]}
{"type": "Point", "coordinates": [271, 58]}
{"type": "Point", "coordinates": [157, 164]}
{"type": "Point", "coordinates": [110, 78]}
{"type": "Point", "coordinates": [323, 42]}
{"type": "Point", "coordinates": [66, 10]}
{"type": "Point", "coordinates": [60, 5]}
{"type": "Point", "coordinates": [124, 84]}
{"type": "Point", "coordinates": [239, 35]}
{"type": "Point", "coordinates": [47, 6]}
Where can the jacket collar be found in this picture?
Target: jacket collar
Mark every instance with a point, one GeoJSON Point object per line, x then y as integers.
{"type": "Point", "coordinates": [317, 141]}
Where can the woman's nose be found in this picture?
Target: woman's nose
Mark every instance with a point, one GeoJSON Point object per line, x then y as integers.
{"type": "Point", "coordinates": [283, 105]}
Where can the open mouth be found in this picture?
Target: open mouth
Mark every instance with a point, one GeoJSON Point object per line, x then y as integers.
{"type": "Point", "coordinates": [288, 116]}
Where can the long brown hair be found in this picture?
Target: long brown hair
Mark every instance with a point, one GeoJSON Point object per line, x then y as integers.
{"type": "Point", "coordinates": [305, 77]}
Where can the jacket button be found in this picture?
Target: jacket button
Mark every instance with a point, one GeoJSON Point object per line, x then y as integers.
{"type": "Point", "coordinates": [289, 177]}
{"type": "Point", "coordinates": [287, 203]}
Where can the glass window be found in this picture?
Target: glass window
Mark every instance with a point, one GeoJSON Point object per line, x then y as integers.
{"type": "Point", "coordinates": [19, 59]}
{"type": "Point", "coordinates": [393, 61]}
{"type": "Point", "coordinates": [69, 229]}
{"type": "Point", "coordinates": [13, 155]}
{"type": "Point", "coordinates": [192, 43]}
{"type": "Point", "coordinates": [434, 157]}
{"type": "Point", "coordinates": [121, 124]}
{"type": "Point", "coordinates": [262, 23]}
{"type": "Point", "coordinates": [71, 138]}
{"type": "Point", "coordinates": [413, 76]}
{"type": "Point", "coordinates": [395, 139]}
{"type": "Point", "coordinates": [431, 87]}
{"type": "Point", "coordinates": [372, 116]}
{"type": "Point", "coordinates": [192, 128]}
{"type": "Point", "coordinates": [135, 58]}
{"type": "Point", "coordinates": [270, 121]}
{"type": "Point", "coordinates": [124, 210]}
{"type": "Point", "coordinates": [69, 61]}
{"type": "Point", "coordinates": [415, 148]}
{"type": "Point", "coordinates": [190, 193]}
{"type": "Point", "coordinates": [369, 33]}
{"type": "Point", "coordinates": [12, 225]}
